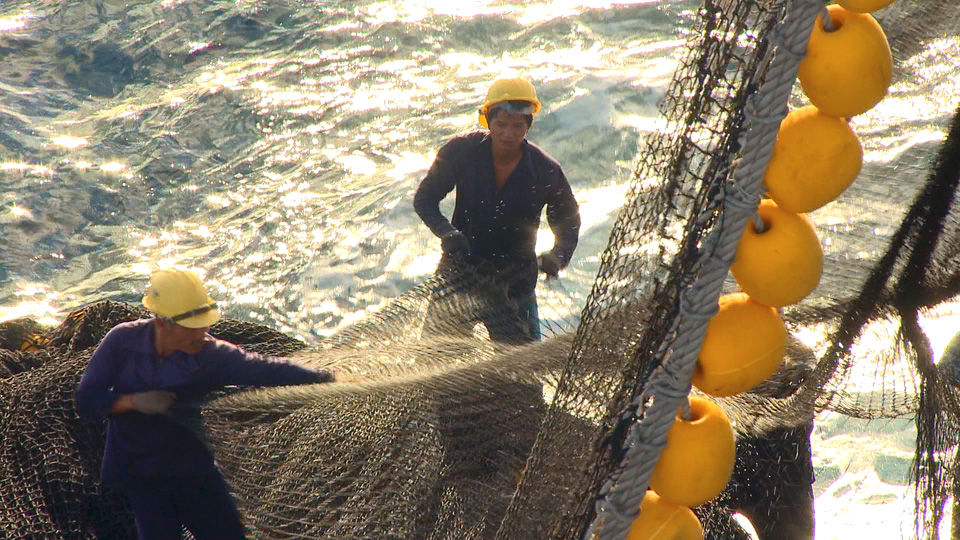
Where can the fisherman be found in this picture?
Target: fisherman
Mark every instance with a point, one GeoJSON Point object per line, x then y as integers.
{"type": "Point", "coordinates": [502, 184]}
{"type": "Point", "coordinates": [143, 368]}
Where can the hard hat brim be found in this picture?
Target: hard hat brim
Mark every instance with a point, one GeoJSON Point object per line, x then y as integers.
{"type": "Point", "coordinates": [203, 320]}
{"type": "Point", "coordinates": [482, 114]}
{"type": "Point", "coordinates": [148, 303]}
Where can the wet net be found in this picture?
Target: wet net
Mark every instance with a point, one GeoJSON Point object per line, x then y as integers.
{"type": "Point", "coordinates": [436, 431]}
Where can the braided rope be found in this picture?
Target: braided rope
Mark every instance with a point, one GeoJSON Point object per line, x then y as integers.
{"type": "Point", "coordinates": [620, 496]}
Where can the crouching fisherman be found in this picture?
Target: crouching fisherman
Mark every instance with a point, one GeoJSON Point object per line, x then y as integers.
{"type": "Point", "coordinates": [139, 370]}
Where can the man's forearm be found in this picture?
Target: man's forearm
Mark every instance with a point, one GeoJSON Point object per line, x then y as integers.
{"type": "Point", "coordinates": [428, 208]}
{"type": "Point", "coordinates": [566, 242]}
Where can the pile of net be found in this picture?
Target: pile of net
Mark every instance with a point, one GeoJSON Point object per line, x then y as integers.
{"type": "Point", "coordinates": [435, 432]}
{"type": "Point", "coordinates": [423, 437]}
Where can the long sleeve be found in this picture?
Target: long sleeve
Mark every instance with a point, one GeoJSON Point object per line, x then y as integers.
{"type": "Point", "coordinates": [95, 394]}
{"type": "Point", "coordinates": [563, 216]}
{"type": "Point", "coordinates": [440, 180]}
{"type": "Point", "coordinates": [235, 366]}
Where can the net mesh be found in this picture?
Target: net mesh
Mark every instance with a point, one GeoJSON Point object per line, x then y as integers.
{"type": "Point", "coordinates": [436, 432]}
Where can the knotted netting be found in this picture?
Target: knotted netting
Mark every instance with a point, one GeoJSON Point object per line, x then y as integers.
{"type": "Point", "coordinates": [436, 432]}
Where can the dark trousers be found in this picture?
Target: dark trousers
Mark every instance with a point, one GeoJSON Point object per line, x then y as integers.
{"type": "Point", "coordinates": [164, 506]}
{"type": "Point", "coordinates": [511, 317]}
{"type": "Point", "coordinates": [511, 322]}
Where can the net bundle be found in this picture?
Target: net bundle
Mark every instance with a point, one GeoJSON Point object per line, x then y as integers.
{"type": "Point", "coordinates": [435, 431]}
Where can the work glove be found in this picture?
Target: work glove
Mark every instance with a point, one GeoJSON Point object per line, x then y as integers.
{"type": "Point", "coordinates": [153, 401]}
{"type": "Point", "coordinates": [549, 264]}
{"type": "Point", "coordinates": [455, 243]}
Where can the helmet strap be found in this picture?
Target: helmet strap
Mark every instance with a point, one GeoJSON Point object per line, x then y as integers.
{"type": "Point", "coordinates": [193, 312]}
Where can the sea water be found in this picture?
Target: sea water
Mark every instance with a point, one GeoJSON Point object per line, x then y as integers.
{"type": "Point", "coordinates": [275, 147]}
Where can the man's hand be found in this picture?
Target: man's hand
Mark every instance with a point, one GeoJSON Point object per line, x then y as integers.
{"type": "Point", "coordinates": [152, 402]}
{"type": "Point", "coordinates": [549, 264]}
{"type": "Point", "coordinates": [455, 243]}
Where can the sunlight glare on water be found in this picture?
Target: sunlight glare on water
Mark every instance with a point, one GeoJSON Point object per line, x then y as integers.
{"type": "Point", "coordinates": [275, 146]}
{"type": "Point", "coordinates": [13, 23]}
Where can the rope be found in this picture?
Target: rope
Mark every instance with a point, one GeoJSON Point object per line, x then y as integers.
{"type": "Point", "coordinates": [619, 501]}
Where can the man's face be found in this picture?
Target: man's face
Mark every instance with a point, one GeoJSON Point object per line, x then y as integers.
{"type": "Point", "coordinates": [181, 338]}
{"type": "Point", "coordinates": [507, 130]}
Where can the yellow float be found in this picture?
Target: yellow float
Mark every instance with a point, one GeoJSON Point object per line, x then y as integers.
{"type": "Point", "coordinates": [33, 343]}
{"type": "Point", "coordinates": [744, 344]}
{"type": "Point", "coordinates": [864, 6]}
{"type": "Point", "coordinates": [781, 265]}
{"type": "Point", "coordinates": [660, 520]}
{"type": "Point", "coordinates": [816, 158]}
{"type": "Point", "coordinates": [848, 70]}
{"type": "Point", "coordinates": [697, 462]}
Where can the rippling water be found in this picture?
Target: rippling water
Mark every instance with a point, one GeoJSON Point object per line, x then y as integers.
{"type": "Point", "coordinates": [276, 145]}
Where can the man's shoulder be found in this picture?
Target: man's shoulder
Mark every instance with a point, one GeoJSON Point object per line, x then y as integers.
{"type": "Point", "coordinates": [465, 140]}
{"type": "Point", "coordinates": [541, 155]}
{"type": "Point", "coordinates": [129, 328]}
{"type": "Point", "coordinates": [127, 334]}
{"type": "Point", "coordinates": [218, 344]}
{"type": "Point", "coordinates": [217, 348]}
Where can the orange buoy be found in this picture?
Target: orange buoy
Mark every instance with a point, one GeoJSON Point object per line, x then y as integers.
{"type": "Point", "coordinates": [744, 344]}
{"type": "Point", "coordinates": [698, 460]}
{"type": "Point", "coordinates": [864, 6]}
{"type": "Point", "coordinates": [816, 158]}
{"type": "Point", "coordinates": [848, 70]}
{"type": "Point", "coordinates": [661, 520]}
{"type": "Point", "coordinates": [781, 265]}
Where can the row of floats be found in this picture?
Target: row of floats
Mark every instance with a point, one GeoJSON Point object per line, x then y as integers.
{"type": "Point", "coordinates": [846, 71]}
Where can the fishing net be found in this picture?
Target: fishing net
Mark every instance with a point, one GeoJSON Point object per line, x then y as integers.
{"type": "Point", "coordinates": [435, 431]}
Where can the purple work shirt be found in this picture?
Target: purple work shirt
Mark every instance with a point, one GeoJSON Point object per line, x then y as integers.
{"type": "Point", "coordinates": [126, 362]}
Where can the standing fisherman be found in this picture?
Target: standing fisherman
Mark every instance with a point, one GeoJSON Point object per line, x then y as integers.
{"type": "Point", "coordinates": [502, 184]}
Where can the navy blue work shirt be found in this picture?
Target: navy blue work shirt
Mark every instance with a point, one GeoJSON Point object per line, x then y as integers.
{"type": "Point", "coordinates": [501, 225]}
{"type": "Point", "coordinates": [126, 362]}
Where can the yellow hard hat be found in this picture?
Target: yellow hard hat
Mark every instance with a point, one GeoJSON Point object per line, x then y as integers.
{"type": "Point", "coordinates": [516, 89]}
{"type": "Point", "coordinates": [179, 295]}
